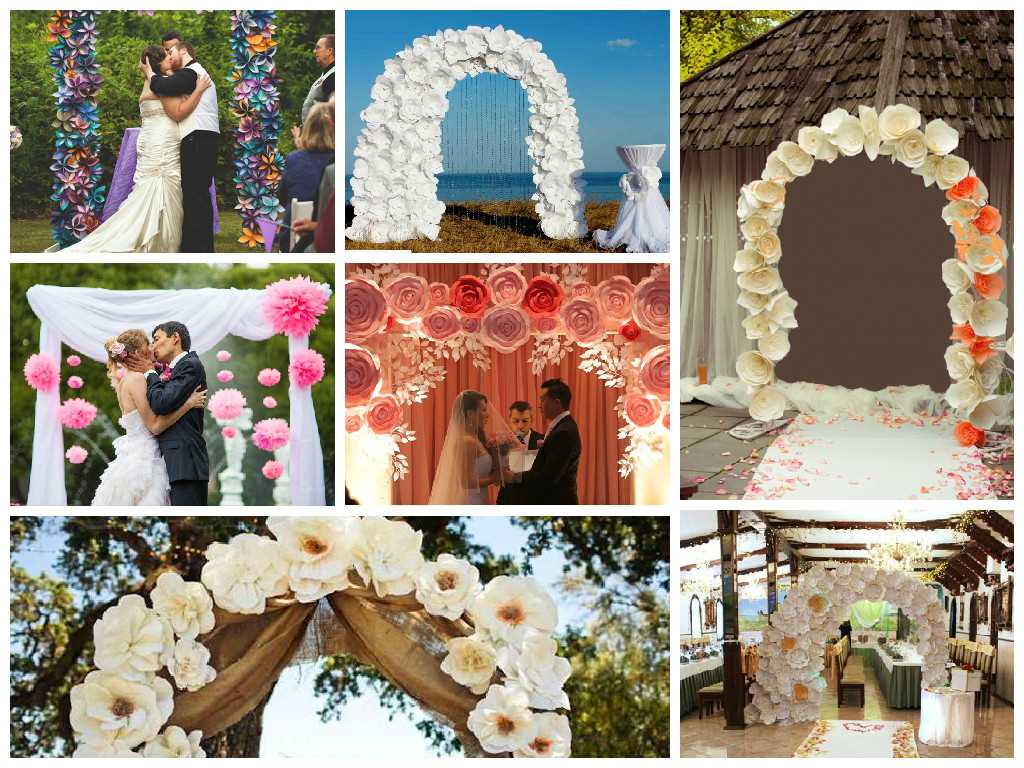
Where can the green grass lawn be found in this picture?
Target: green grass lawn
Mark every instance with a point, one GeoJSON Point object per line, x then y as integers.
{"type": "Point", "coordinates": [34, 235]}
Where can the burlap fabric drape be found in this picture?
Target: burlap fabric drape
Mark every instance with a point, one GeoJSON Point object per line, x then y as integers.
{"type": "Point", "coordinates": [393, 634]}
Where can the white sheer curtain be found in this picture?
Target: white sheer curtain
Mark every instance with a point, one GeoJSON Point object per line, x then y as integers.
{"type": "Point", "coordinates": [83, 318]}
{"type": "Point", "coordinates": [642, 224]}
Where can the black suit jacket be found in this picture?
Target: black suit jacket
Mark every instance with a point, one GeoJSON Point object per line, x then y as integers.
{"type": "Point", "coordinates": [180, 83]}
{"type": "Point", "coordinates": [182, 445]}
{"type": "Point", "coordinates": [552, 479]}
{"type": "Point", "coordinates": [513, 493]}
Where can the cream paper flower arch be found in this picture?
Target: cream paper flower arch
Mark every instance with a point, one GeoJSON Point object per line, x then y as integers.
{"type": "Point", "coordinates": [510, 659]}
{"type": "Point", "coordinates": [791, 656]}
{"type": "Point", "coordinates": [973, 361]}
{"type": "Point", "coordinates": [398, 153]}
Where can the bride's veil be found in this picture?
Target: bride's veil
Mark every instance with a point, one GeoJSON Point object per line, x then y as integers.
{"type": "Point", "coordinates": [475, 427]}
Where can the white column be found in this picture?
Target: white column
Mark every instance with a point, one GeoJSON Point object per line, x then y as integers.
{"type": "Point", "coordinates": [283, 484]}
{"type": "Point", "coordinates": [232, 478]}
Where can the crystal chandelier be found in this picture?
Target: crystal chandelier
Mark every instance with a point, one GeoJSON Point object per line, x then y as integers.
{"type": "Point", "coordinates": [904, 550]}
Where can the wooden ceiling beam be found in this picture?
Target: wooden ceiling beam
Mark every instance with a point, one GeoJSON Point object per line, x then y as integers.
{"type": "Point", "coordinates": [999, 524]}
{"type": "Point", "coordinates": [945, 547]}
{"type": "Point", "coordinates": [988, 543]}
{"type": "Point", "coordinates": [741, 556]}
{"type": "Point", "coordinates": [860, 525]}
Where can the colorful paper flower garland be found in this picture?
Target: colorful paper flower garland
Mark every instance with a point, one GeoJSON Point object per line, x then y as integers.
{"type": "Point", "coordinates": [78, 196]}
{"type": "Point", "coordinates": [256, 104]}
{"type": "Point", "coordinates": [974, 360]}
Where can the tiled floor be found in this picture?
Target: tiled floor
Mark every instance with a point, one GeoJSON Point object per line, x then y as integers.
{"type": "Point", "coordinates": [993, 730]}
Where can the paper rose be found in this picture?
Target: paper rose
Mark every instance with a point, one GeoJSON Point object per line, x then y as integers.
{"type": "Point", "coordinates": [268, 377]}
{"type": "Point", "coordinates": [951, 170]}
{"type": "Point", "coordinates": [656, 372]}
{"type": "Point", "coordinates": [967, 435]}
{"type": "Point", "coordinates": [189, 665]}
{"type": "Point", "coordinates": [223, 356]}
{"type": "Point", "coordinates": [767, 404]}
{"type": "Point", "coordinates": [441, 323]}
{"type": "Point", "coordinates": [796, 160]}
{"type": "Point", "coordinates": [985, 258]}
{"type": "Point", "coordinates": [132, 640]}
{"type": "Point", "coordinates": [318, 552]}
{"type": "Point", "coordinates": [108, 709]}
{"type": "Point", "coordinates": [955, 276]}
{"type": "Point", "coordinates": [581, 289]}
{"type": "Point", "coordinates": [764, 280]}
{"type": "Point", "coordinates": [270, 434]}
{"type": "Point", "coordinates": [543, 296]}
{"type": "Point", "coordinates": [815, 142]}
{"type": "Point", "coordinates": [614, 297]}
{"type": "Point", "coordinates": [754, 369]}
{"type": "Point", "coordinates": [228, 433]}
{"type": "Point", "coordinates": [225, 376]}
{"type": "Point", "coordinates": [174, 742]}
{"type": "Point", "coordinates": [844, 131]}
{"type": "Point", "coordinates": [941, 137]}
{"type": "Point", "coordinates": [243, 573]}
{"type": "Point", "coordinates": [306, 368]}
{"type": "Point", "coordinates": [272, 470]}
{"type": "Point", "coordinates": [505, 328]}
{"type": "Point", "coordinates": [446, 586]}
{"type": "Point", "coordinates": [959, 362]}
{"type": "Point", "coordinates": [470, 296]}
{"type": "Point", "coordinates": [988, 220]}
{"type": "Point", "coordinates": [774, 346]}
{"type": "Point", "coordinates": [780, 311]}
{"type": "Point", "coordinates": [630, 331]}
{"type": "Point", "coordinates": [42, 373]}
{"type": "Point", "coordinates": [407, 296]}
{"type": "Point", "coordinates": [652, 305]}
{"type": "Point", "coordinates": [965, 395]}
{"type": "Point", "coordinates": [988, 318]}
{"type": "Point", "coordinates": [186, 605]}
{"type": "Point", "coordinates": [76, 413]}
{"type": "Point", "coordinates": [510, 605]}
{"type": "Point", "coordinates": [226, 404]}
{"type": "Point", "coordinates": [537, 668]}
{"type": "Point", "coordinates": [76, 454]}
{"type": "Point", "coordinates": [74, 361]}
{"type": "Point", "coordinates": [641, 411]}
{"type": "Point", "coordinates": [582, 321]}
{"type": "Point", "coordinates": [362, 375]}
{"type": "Point", "coordinates": [507, 286]}
{"type": "Point", "coordinates": [294, 305]}
{"type": "Point", "coordinates": [438, 294]}
{"type": "Point", "coordinates": [968, 188]}
{"type": "Point", "coordinates": [553, 737]}
{"type": "Point", "coordinates": [470, 662]}
{"type": "Point", "coordinates": [989, 286]}
{"type": "Point", "coordinates": [897, 120]}
{"type": "Point", "coordinates": [387, 555]}
{"type": "Point", "coordinates": [383, 414]}
{"type": "Point", "coordinates": [502, 721]}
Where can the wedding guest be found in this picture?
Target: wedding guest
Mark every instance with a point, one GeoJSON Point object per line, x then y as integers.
{"type": "Point", "coordinates": [323, 86]}
{"type": "Point", "coordinates": [323, 238]}
{"type": "Point", "coordinates": [303, 169]}
{"type": "Point", "coordinates": [325, 194]}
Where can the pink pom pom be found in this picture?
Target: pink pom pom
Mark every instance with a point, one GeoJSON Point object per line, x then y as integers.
{"type": "Point", "coordinates": [306, 368]}
{"type": "Point", "coordinates": [225, 376]}
{"type": "Point", "coordinates": [228, 432]}
{"type": "Point", "coordinates": [76, 454]}
{"type": "Point", "coordinates": [273, 470]}
{"type": "Point", "coordinates": [269, 402]}
{"type": "Point", "coordinates": [292, 306]}
{"type": "Point", "coordinates": [268, 377]}
{"type": "Point", "coordinates": [76, 413]}
{"type": "Point", "coordinates": [270, 434]}
{"type": "Point", "coordinates": [223, 356]}
{"type": "Point", "coordinates": [75, 382]}
{"type": "Point", "coordinates": [42, 373]}
{"type": "Point", "coordinates": [74, 361]}
{"type": "Point", "coordinates": [226, 404]}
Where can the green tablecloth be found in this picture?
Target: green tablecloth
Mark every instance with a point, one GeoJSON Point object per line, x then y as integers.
{"type": "Point", "coordinates": [901, 687]}
{"type": "Point", "coordinates": [690, 686]}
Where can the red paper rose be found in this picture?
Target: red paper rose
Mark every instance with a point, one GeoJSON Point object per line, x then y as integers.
{"type": "Point", "coordinates": [507, 285]}
{"type": "Point", "coordinates": [438, 294]}
{"type": "Point", "coordinates": [505, 328]}
{"type": "Point", "coordinates": [630, 331]}
{"type": "Point", "coordinates": [652, 305]}
{"type": "Point", "coordinates": [407, 296]}
{"type": "Point", "coordinates": [366, 310]}
{"type": "Point", "coordinates": [543, 296]}
{"type": "Point", "coordinates": [582, 320]}
{"type": "Point", "coordinates": [470, 295]}
{"type": "Point", "coordinates": [988, 220]}
{"type": "Point", "coordinates": [581, 290]}
{"type": "Point", "coordinates": [656, 372]}
{"type": "Point", "coordinates": [353, 423]}
{"type": "Point", "coordinates": [642, 411]}
{"type": "Point", "coordinates": [547, 325]}
{"type": "Point", "coordinates": [614, 298]}
{"type": "Point", "coordinates": [361, 376]}
{"type": "Point", "coordinates": [384, 414]}
{"type": "Point", "coordinates": [470, 324]}
{"type": "Point", "coordinates": [441, 323]}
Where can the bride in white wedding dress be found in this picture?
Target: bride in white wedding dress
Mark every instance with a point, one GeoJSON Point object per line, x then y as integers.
{"type": "Point", "coordinates": [137, 477]}
{"type": "Point", "coordinates": [149, 220]}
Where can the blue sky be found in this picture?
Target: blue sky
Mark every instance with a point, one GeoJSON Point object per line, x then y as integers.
{"type": "Point", "coordinates": [616, 64]}
{"type": "Point", "coordinates": [291, 725]}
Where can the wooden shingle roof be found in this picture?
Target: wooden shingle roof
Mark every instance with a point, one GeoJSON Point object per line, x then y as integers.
{"type": "Point", "coordinates": [957, 65]}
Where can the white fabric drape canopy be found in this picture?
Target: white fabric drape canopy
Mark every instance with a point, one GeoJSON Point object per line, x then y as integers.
{"type": "Point", "coordinates": [642, 224]}
{"type": "Point", "coordinates": [84, 318]}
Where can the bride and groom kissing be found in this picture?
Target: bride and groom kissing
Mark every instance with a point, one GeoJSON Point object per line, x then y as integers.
{"type": "Point", "coordinates": [169, 208]}
{"type": "Point", "coordinates": [480, 450]}
{"type": "Point", "coordinates": [161, 459]}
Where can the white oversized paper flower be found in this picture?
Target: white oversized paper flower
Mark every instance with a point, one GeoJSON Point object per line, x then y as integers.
{"type": "Point", "coordinates": [951, 171]}
{"type": "Point", "coordinates": [955, 276]}
{"type": "Point", "coordinates": [988, 317]}
{"type": "Point", "coordinates": [844, 131]}
{"type": "Point", "coordinates": [960, 211]}
{"type": "Point", "coordinates": [795, 158]}
{"type": "Point", "coordinates": [189, 665]}
{"type": "Point", "coordinates": [764, 280]}
{"type": "Point", "coordinates": [897, 120]}
{"type": "Point", "coordinates": [768, 246]}
{"type": "Point", "coordinates": [747, 260]}
{"type": "Point", "coordinates": [776, 170]}
{"type": "Point", "coordinates": [387, 554]}
{"type": "Point", "coordinates": [471, 661]}
{"type": "Point", "coordinates": [781, 311]}
{"type": "Point", "coordinates": [753, 302]}
{"type": "Point", "coordinates": [174, 742]}
{"type": "Point", "coordinates": [132, 640]}
{"type": "Point", "coordinates": [553, 738]}
{"type": "Point", "coordinates": [983, 259]}
{"type": "Point", "coordinates": [107, 708]}
{"type": "Point", "coordinates": [767, 404]}
{"type": "Point", "coordinates": [446, 586]}
{"type": "Point", "coordinates": [774, 346]}
{"type": "Point", "coordinates": [755, 226]}
{"type": "Point", "coordinates": [510, 605]}
{"type": "Point", "coordinates": [869, 125]}
{"type": "Point", "coordinates": [911, 149]}
{"type": "Point", "coordinates": [816, 143]}
{"type": "Point", "coordinates": [989, 373]}
{"type": "Point", "coordinates": [243, 573]}
{"type": "Point", "coordinates": [185, 604]}
{"type": "Point", "coordinates": [754, 369]}
{"type": "Point", "coordinates": [756, 326]}
{"type": "Point", "coordinates": [959, 362]}
{"type": "Point", "coordinates": [960, 305]}
{"type": "Point", "coordinates": [941, 137]}
{"type": "Point", "coordinates": [765, 195]}
{"type": "Point", "coordinates": [928, 169]}
{"type": "Point", "coordinates": [538, 669]}
{"type": "Point", "coordinates": [502, 721]}
{"type": "Point", "coordinates": [318, 551]}
{"type": "Point", "coordinates": [965, 395]}
{"type": "Point", "coordinates": [991, 410]}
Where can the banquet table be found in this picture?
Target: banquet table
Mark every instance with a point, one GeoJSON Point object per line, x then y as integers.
{"type": "Point", "coordinates": [900, 681]}
{"type": "Point", "coordinates": [947, 717]}
{"type": "Point", "coordinates": [693, 677]}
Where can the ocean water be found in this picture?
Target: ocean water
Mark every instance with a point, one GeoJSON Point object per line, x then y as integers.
{"type": "Point", "coordinates": [462, 187]}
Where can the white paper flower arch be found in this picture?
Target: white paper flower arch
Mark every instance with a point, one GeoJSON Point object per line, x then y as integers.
{"type": "Point", "coordinates": [510, 658]}
{"type": "Point", "coordinates": [398, 153]}
{"type": "Point", "coordinates": [791, 656]}
{"type": "Point", "coordinates": [974, 360]}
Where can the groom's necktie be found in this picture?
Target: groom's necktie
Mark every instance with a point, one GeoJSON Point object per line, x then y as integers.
{"type": "Point", "coordinates": [522, 439]}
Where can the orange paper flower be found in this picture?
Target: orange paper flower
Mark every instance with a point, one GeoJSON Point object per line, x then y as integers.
{"type": "Point", "coordinates": [800, 692]}
{"type": "Point", "coordinates": [967, 434]}
{"type": "Point", "coordinates": [962, 333]}
{"type": "Point", "coordinates": [250, 238]}
{"type": "Point", "coordinates": [788, 643]}
{"type": "Point", "coordinates": [988, 220]}
{"type": "Point", "coordinates": [965, 189]}
{"type": "Point", "coordinates": [816, 603]}
{"type": "Point", "coordinates": [989, 286]}
{"type": "Point", "coordinates": [981, 349]}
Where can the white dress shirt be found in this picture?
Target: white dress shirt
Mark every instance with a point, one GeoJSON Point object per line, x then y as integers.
{"type": "Point", "coordinates": [170, 365]}
{"type": "Point", "coordinates": [554, 421]}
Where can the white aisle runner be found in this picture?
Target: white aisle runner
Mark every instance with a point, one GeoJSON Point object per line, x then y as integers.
{"type": "Point", "coordinates": [877, 457]}
{"type": "Point", "coordinates": [860, 739]}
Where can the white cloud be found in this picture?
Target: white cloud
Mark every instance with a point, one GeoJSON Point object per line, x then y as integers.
{"type": "Point", "coordinates": [622, 42]}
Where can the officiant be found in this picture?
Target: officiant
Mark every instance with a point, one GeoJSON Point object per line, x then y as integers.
{"type": "Point", "coordinates": [323, 86]}
{"type": "Point", "coordinates": [520, 418]}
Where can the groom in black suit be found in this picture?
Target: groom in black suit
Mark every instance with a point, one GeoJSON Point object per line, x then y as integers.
{"type": "Point", "coordinates": [552, 479]}
{"type": "Point", "coordinates": [182, 445]}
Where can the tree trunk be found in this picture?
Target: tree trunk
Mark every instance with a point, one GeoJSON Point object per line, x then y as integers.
{"type": "Point", "coordinates": [243, 738]}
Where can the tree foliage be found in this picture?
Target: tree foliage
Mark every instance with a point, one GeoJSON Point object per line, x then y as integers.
{"type": "Point", "coordinates": [122, 35]}
{"type": "Point", "coordinates": [248, 358]}
{"type": "Point", "coordinates": [707, 36]}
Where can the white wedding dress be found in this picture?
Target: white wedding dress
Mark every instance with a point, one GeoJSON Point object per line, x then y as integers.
{"type": "Point", "coordinates": [482, 467]}
{"type": "Point", "coordinates": [149, 220]}
{"type": "Point", "coordinates": [137, 477]}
